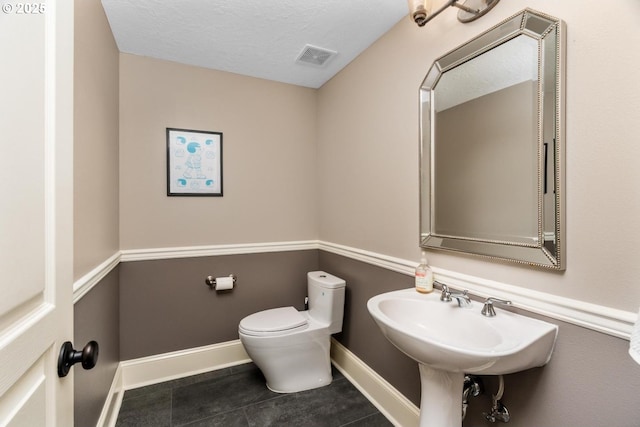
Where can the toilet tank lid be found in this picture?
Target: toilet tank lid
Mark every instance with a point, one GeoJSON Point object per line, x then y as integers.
{"type": "Point", "coordinates": [326, 280]}
{"type": "Point", "coordinates": [273, 320]}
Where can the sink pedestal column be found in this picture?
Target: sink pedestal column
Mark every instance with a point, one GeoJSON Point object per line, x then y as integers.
{"type": "Point", "coordinates": [441, 397]}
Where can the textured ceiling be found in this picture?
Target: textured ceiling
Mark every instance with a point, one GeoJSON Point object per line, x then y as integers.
{"type": "Point", "coordinates": [506, 65]}
{"type": "Point", "coordinates": [258, 38]}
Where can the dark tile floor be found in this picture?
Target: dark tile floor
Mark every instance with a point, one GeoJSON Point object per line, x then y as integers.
{"type": "Point", "coordinates": [238, 397]}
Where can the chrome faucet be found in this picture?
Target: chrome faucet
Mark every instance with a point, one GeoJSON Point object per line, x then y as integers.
{"type": "Point", "coordinates": [447, 296]}
{"type": "Point", "coordinates": [462, 298]}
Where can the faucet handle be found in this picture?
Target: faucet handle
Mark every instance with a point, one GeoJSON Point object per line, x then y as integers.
{"type": "Point", "coordinates": [487, 308]}
{"type": "Point", "coordinates": [445, 295]}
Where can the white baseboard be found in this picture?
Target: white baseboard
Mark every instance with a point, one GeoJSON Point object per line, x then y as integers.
{"type": "Point", "coordinates": [155, 369]}
{"type": "Point", "coordinates": [111, 407]}
{"type": "Point", "coordinates": [168, 366]}
{"type": "Point", "coordinates": [389, 401]}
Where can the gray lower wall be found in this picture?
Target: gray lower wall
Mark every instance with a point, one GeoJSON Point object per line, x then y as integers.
{"type": "Point", "coordinates": [360, 334]}
{"type": "Point", "coordinates": [96, 317]}
{"type": "Point", "coordinates": [591, 381]}
{"type": "Point", "coordinates": [164, 306]}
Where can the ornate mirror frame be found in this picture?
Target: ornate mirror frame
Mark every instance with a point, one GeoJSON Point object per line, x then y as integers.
{"type": "Point", "coordinates": [546, 249]}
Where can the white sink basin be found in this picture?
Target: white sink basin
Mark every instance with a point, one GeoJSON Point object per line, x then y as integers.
{"type": "Point", "coordinates": [445, 336]}
{"type": "Point", "coordinates": [448, 341]}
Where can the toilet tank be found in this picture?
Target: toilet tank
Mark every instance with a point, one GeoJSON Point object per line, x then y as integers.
{"type": "Point", "coordinates": [326, 299]}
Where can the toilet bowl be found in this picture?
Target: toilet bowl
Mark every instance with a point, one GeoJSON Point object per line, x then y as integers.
{"type": "Point", "coordinates": [291, 347]}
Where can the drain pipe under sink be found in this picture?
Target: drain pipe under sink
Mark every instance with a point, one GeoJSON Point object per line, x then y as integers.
{"type": "Point", "coordinates": [498, 411]}
{"type": "Point", "coordinates": [473, 387]}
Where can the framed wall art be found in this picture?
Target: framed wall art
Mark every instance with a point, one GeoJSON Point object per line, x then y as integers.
{"type": "Point", "coordinates": [194, 163]}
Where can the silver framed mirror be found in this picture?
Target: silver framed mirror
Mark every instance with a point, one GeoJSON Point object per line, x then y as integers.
{"type": "Point", "coordinates": [492, 144]}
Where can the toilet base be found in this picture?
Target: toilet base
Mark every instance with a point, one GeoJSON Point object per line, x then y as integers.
{"type": "Point", "coordinates": [289, 367]}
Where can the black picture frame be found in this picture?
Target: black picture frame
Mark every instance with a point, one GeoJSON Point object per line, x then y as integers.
{"type": "Point", "coordinates": [194, 163]}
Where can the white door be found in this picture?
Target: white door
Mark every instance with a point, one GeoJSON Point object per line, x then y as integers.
{"type": "Point", "coordinates": [36, 210]}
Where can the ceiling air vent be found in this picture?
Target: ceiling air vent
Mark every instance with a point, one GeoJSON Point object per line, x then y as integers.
{"type": "Point", "coordinates": [315, 55]}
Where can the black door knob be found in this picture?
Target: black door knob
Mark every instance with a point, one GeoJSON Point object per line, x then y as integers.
{"type": "Point", "coordinates": [88, 356]}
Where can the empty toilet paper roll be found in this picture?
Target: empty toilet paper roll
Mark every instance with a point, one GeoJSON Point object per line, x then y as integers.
{"type": "Point", "coordinates": [224, 283]}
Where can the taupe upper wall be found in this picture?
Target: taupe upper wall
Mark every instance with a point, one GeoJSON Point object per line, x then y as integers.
{"type": "Point", "coordinates": [95, 150]}
{"type": "Point", "coordinates": [368, 150]}
{"type": "Point", "coordinates": [269, 156]}
{"type": "Point", "coordinates": [360, 132]}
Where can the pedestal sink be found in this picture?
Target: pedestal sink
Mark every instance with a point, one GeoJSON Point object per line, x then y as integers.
{"type": "Point", "coordinates": [448, 341]}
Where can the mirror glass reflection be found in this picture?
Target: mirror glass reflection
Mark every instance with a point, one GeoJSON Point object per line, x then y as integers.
{"type": "Point", "coordinates": [491, 147]}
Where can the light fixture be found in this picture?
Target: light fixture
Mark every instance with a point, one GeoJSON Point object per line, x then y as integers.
{"type": "Point", "coordinates": [470, 10]}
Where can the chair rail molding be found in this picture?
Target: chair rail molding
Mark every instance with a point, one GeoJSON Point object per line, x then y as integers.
{"type": "Point", "coordinates": [611, 321]}
{"type": "Point", "coordinates": [213, 250]}
{"type": "Point", "coordinates": [84, 284]}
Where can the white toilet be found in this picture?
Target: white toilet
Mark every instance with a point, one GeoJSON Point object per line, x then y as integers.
{"type": "Point", "coordinates": [291, 347]}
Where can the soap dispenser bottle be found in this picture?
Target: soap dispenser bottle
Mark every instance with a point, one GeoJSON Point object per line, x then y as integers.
{"type": "Point", "coordinates": [424, 276]}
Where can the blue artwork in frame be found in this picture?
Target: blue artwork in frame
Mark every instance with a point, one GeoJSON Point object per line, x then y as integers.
{"type": "Point", "coordinates": [194, 163]}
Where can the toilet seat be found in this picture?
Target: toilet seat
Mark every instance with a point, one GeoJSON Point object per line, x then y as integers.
{"type": "Point", "coordinates": [276, 321]}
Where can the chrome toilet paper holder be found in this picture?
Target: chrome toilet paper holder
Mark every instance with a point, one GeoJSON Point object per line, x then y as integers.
{"type": "Point", "coordinates": [211, 281]}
